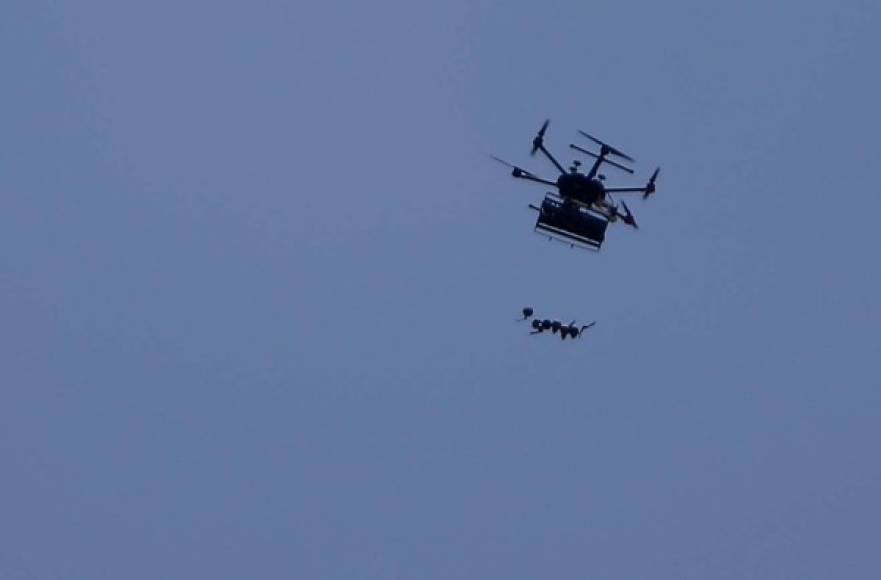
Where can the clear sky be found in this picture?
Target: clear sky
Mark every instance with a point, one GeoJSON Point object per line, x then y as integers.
{"type": "Point", "coordinates": [258, 282]}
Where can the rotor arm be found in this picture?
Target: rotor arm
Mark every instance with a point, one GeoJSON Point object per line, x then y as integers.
{"type": "Point", "coordinates": [539, 144]}
{"type": "Point", "coordinates": [645, 191]}
{"type": "Point", "coordinates": [626, 189]}
{"type": "Point", "coordinates": [596, 166]}
{"type": "Point", "coordinates": [556, 163]}
{"type": "Point", "coordinates": [521, 174]}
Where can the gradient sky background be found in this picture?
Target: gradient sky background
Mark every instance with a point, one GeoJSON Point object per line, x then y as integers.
{"type": "Point", "coordinates": [258, 280]}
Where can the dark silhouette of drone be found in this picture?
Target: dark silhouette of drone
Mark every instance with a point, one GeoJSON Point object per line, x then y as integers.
{"type": "Point", "coordinates": [555, 326]}
{"type": "Point", "coordinates": [567, 212]}
{"type": "Point", "coordinates": [587, 189]}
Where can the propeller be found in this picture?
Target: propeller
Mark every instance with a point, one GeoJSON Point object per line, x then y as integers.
{"type": "Point", "coordinates": [607, 147]}
{"type": "Point", "coordinates": [595, 156]}
{"type": "Point", "coordinates": [516, 171]}
{"type": "Point", "coordinates": [539, 139]}
{"type": "Point", "coordinates": [628, 217]}
{"type": "Point", "coordinates": [527, 313]}
{"type": "Point", "coordinates": [650, 186]}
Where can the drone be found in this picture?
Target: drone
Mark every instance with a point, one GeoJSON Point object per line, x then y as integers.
{"type": "Point", "coordinates": [555, 326]}
{"type": "Point", "coordinates": [582, 207]}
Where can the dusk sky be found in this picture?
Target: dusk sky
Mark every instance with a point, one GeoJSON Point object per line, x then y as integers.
{"type": "Point", "coordinates": [259, 280]}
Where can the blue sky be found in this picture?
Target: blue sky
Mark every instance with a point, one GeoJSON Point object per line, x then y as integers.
{"type": "Point", "coordinates": [258, 279]}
